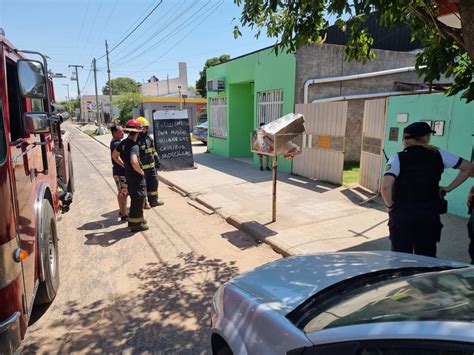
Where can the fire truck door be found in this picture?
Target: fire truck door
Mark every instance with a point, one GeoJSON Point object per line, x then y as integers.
{"type": "Point", "coordinates": [25, 159]}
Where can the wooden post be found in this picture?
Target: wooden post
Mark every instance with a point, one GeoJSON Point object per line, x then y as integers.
{"type": "Point", "coordinates": [275, 168]}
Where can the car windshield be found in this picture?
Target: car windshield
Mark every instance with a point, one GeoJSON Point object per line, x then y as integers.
{"type": "Point", "coordinates": [440, 296]}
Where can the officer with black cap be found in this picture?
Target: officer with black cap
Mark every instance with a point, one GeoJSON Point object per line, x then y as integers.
{"type": "Point", "coordinates": [411, 191]}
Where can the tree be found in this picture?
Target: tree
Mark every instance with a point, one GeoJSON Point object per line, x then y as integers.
{"type": "Point", "coordinates": [201, 82]}
{"type": "Point", "coordinates": [126, 103]}
{"type": "Point", "coordinates": [121, 86]}
{"type": "Point", "coordinates": [446, 50]}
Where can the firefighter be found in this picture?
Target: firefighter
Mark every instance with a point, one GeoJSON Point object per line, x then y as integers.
{"type": "Point", "coordinates": [129, 152]}
{"type": "Point", "coordinates": [149, 160]}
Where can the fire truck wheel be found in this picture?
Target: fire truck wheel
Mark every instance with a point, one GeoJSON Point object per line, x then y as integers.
{"type": "Point", "coordinates": [70, 183]}
{"type": "Point", "coordinates": [50, 258]}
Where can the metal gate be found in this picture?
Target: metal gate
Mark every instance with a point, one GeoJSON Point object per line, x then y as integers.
{"type": "Point", "coordinates": [373, 134]}
{"type": "Point", "coordinates": [322, 155]}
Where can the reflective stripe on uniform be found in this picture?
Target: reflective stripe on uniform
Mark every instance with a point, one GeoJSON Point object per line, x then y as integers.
{"type": "Point", "coordinates": [136, 220]}
{"type": "Point", "coordinates": [152, 193]}
{"type": "Point", "coordinates": [148, 166]}
{"type": "Point", "coordinates": [150, 150]}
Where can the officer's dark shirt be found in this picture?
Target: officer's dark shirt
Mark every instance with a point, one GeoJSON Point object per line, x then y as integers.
{"type": "Point", "coordinates": [116, 168]}
{"type": "Point", "coordinates": [144, 142]}
{"type": "Point", "coordinates": [127, 148]}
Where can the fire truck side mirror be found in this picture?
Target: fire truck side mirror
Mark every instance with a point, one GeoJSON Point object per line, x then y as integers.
{"type": "Point", "coordinates": [36, 123]}
{"type": "Point", "coordinates": [31, 78]}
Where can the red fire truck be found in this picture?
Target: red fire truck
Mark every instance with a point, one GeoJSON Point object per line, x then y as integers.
{"type": "Point", "coordinates": [36, 184]}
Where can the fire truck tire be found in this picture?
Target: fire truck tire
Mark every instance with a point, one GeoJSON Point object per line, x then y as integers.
{"type": "Point", "coordinates": [70, 183]}
{"type": "Point", "coordinates": [50, 257]}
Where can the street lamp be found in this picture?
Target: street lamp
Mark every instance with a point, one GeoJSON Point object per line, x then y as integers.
{"type": "Point", "coordinates": [68, 97]}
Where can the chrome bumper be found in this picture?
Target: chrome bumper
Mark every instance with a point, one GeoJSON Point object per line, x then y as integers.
{"type": "Point", "coordinates": [10, 334]}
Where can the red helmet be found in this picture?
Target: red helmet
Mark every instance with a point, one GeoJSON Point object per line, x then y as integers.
{"type": "Point", "coordinates": [133, 126]}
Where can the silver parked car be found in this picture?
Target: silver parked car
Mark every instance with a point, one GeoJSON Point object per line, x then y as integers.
{"type": "Point", "coordinates": [367, 303]}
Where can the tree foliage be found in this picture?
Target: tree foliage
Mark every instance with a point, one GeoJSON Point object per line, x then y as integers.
{"type": "Point", "coordinates": [121, 86]}
{"type": "Point", "coordinates": [446, 50]}
{"type": "Point", "coordinates": [201, 82]}
{"type": "Point", "coordinates": [126, 103]}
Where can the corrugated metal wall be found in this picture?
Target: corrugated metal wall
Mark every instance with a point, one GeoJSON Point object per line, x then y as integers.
{"type": "Point", "coordinates": [373, 134]}
{"type": "Point", "coordinates": [322, 155]}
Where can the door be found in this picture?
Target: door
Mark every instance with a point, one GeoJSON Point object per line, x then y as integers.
{"type": "Point", "coordinates": [322, 155]}
{"type": "Point", "coordinates": [373, 134]}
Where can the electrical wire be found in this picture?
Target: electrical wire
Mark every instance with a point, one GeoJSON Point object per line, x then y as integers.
{"type": "Point", "coordinates": [136, 27]}
{"type": "Point", "coordinates": [169, 36]}
{"type": "Point", "coordinates": [184, 37]}
{"type": "Point", "coordinates": [171, 20]}
{"type": "Point", "coordinates": [82, 26]}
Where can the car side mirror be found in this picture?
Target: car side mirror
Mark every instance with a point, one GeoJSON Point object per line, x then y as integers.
{"type": "Point", "coordinates": [36, 123]}
{"type": "Point", "coordinates": [31, 79]}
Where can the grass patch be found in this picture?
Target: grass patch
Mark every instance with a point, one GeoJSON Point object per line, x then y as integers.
{"type": "Point", "coordinates": [351, 173]}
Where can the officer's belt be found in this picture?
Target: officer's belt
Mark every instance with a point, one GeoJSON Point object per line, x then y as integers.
{"type": "Point", "coordinates": [148, 166]}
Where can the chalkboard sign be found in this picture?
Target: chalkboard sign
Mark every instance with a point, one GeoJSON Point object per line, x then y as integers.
{"type": "Point", "coordinates": [172, 139]}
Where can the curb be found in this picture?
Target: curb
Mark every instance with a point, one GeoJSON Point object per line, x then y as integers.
{"type": "Point", "coordinates": [255, 231]}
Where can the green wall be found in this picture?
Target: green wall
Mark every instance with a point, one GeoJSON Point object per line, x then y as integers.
{"type": "Point", "coordinates": [457, 138]}
{"type": "Point", "coordinates": [244, 78]}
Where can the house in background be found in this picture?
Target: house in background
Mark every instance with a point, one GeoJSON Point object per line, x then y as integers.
{"type": "Point", "coordinates": [167, 87]}
{"type": "Point", "coordinates": [262, 86]}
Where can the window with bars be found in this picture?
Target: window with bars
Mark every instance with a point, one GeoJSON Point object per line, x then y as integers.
{"type": "Point", "coordinates": [269, 106]}
{"type": "Point", "coordinates": [218, 117]}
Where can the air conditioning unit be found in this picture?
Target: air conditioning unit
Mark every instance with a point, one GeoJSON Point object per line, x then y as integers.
{"type": "Point", "coordinates": [216, 85]}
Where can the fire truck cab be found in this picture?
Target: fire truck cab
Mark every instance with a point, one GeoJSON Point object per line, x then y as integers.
{"type": "Point", "coordinates": [36, 184]}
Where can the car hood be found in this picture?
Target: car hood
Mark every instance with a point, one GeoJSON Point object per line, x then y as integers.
{"type": "Point", "coordinates": [285, 284]}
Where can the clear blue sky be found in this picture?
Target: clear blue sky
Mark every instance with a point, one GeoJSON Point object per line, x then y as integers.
{"type": "Point", "coordinates": [73, 32]}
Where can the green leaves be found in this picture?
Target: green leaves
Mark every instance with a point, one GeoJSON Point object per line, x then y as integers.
{"type": "Point", "coordinates": [297, 23]}
{"type": "Point", "coordinates": [201, 82]}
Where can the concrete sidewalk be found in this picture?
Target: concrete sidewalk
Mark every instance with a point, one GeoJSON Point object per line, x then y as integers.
{"type": "Point", "coordinates": [311, 216]}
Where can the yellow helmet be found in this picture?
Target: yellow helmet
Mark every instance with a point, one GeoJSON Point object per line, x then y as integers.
{"type": "Point", "coordinates": [143, 121]}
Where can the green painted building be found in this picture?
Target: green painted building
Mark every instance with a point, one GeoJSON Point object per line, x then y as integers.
{"type": "Point", "coordinates": [453, 120]}
{"type": "Point", "coordinates": [242, 93]}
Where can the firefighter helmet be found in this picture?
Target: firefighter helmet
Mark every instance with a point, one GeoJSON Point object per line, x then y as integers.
{"type": "Point", "coordinates": [143, 121]}
{"type": "Point", "coordinates": [133, 126]}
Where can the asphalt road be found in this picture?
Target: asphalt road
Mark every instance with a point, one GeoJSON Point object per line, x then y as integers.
{"type": "Point", "coordinates": [133, 293]}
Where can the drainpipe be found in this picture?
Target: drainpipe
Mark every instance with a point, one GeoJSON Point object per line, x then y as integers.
{"type": "Point", "coordinates": [352, 77]}
{"type": "Point", "coordinates": [369, 96]}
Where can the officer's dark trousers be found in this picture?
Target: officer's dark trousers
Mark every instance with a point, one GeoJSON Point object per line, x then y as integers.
{"type": "Point", "coordinates": [415, 228]}
{"type": "Point", "coordinates": [137, 192]}
{"type": "Point", "coordinates": [470, 229]}
{"type": "Point", "coordinates": [151, 186]}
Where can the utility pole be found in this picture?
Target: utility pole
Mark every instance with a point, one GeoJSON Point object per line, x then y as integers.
{"type": "Point", "coordinates": [78, 89]}
{"type": "Point", "coordinates": [97, 113]}
{"type": "Point", "coordinates": [110, 83]}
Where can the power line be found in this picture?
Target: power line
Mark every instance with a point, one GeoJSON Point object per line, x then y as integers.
{"type": "Point", "coordinates": [171, 20]}
{"type": "Point", "coordinates": [82, 25]}
{"type": "Point", "coordinates": [136, 27]}
{"type": "Point", "coordinates": [169, 36]}
{"type": "Point", "coordinates": [186, 35]}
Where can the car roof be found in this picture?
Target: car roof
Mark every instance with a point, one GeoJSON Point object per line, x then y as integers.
{"type": "Point", "coordinates": [286, 283]}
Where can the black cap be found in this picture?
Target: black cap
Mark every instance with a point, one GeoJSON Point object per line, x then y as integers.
{"type": "Point", "coordinates": [417, 129]}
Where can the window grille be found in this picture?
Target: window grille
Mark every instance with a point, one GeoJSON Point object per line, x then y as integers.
{"type": "Point", "coordinates": [269, 106]}
{"type": "Point", "coordinates": [218, 117]}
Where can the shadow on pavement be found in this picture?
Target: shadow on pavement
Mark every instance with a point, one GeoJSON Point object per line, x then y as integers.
{"type": "Point", "coordinates": [240, 240]}
{"type": "Point", "coordinates": [106, 239]}
{"type": "Point", "coordinates": [168, 313]}
{"type": "Point", "coordinates": [110, 219]}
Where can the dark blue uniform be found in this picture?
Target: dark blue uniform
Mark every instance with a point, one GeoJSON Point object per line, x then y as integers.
{"type": "Point", "coordinates": [414, 222]}
{"type": "Point", "coordinates": [148, 159]}
{"type": "Point", "coordinates": [136, 182]}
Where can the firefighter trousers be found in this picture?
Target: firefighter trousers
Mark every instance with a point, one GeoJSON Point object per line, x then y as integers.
{"type": "Point", "coordinates": [137, 193]}
{"type": "Point", "coordinates": [151, 178]}
{"type": "Point", "coordinates": [470, 230]}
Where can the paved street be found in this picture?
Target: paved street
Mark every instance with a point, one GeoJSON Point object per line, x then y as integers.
{"type": "Point", "coordinates": [143, 292]}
